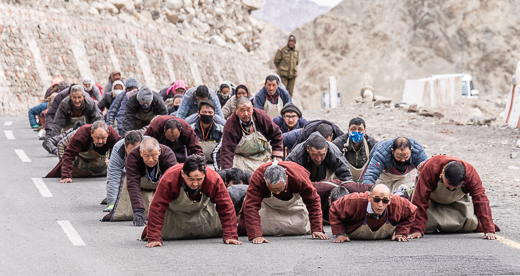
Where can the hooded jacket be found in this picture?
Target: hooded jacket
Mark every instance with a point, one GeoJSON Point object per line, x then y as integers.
{"type": "Point", "coordinates": [334, 160]}
{"type": "Point", "coordinates": [311, 127]}
{"type": "Point", "coordinates": [132, 107]}
{"type": "Point", "coordinates": [189, 103]}
{"type": "Point", "coordinates": [221, 97]}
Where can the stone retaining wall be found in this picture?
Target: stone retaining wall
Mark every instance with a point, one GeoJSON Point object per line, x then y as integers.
{"type": "Point", "coordinates": [37, 46]}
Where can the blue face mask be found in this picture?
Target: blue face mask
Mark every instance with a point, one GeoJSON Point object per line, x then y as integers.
{"type": "Point", "coordinates": [145, 106]}
{"type": "Point", "coordinates": [355, 136]}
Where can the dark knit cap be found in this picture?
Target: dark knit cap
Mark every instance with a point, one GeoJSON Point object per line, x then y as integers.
{"type": "Point", "coordinates": [290, 107]}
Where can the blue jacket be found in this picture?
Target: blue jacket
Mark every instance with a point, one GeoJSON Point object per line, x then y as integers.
{"type": "Point", "coordinates": [381, 158]}
{"type": "Point", "coordinates": [289, 138]}
{"type": "Point", "coordinates": [282, 93]}
{"type": "Point", "coordinates": [279, 121]}
{"type": "Point", "coordinates": [114, 109]}
{"type": "Point", "coordinates": [189, 103]}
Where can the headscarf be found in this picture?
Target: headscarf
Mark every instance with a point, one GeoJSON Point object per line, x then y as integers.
{"type": "Point", "coordinates": [176, 85]}
{"type": "Point", "coordinates": [111, 77]}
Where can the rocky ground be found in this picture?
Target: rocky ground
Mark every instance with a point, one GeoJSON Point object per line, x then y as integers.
{"type": "Point", "coordinates": [488, 148]}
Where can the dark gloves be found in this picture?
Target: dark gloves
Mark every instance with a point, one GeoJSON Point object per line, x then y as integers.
{"type": "Point", "coordinates": [139, 217]}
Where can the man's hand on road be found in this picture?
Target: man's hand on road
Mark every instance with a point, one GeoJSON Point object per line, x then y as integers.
{"type": "Point", "coordinates": [490, 236]}
{"type": "Point", "coordinates": [319, 235]}
{"type": "Point", "coordinates": [414, 236]}
{"type": "Point", "coordinates": [342, 238]}
{"type": "Point", "coordinates": [260, 240]}
{"type": "Point", "coordinates": [66, 180]}
{"type": "Point", "coordinates": [233, 241]}
{"type": "Point", "coordinates": [153, 244]}
{"type": "Point", "coordinates": [399, 238]}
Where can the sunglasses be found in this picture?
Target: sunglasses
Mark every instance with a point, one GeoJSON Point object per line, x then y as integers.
{"type": "Point", "coordinates": [378, 199]}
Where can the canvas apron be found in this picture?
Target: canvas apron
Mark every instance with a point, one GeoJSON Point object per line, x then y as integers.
{"type": "Point", "coordinates": [189, 219]}
{"type": "Point", "coordinates": [393, 178]}
{"type": "Point", "coordinates": [273, 110]}
{"type": "Point", "coordinates": [208, 147]}
{"type": "Point", "coordinates": [450, 211]}
{"type": "Point", "coordinates": [252, 151]}
{"type": "Point", "coordinates": [356, 173]}
{"type": "Point", "coordinates": [142, 119]}
{"type": "Point", "coordinates": [89, 164]}
{"type": "Point", "coordinates": [123, 206]}
{"type": "Point", "coordinates": [281, 218]}
{"type": "Point", "coordinates": [71, 123]}
{"type": "Point", "coordinates": [365, 233]}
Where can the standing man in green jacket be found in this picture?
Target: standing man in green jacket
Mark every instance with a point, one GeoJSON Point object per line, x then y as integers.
{"type": "Point", "coordinates": [286, 61]}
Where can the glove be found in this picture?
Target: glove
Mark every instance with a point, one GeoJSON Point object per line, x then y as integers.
{"type": "Point", "coordinates": [139, 217]}
{"type": "Point", "coordinates": [109, 208]}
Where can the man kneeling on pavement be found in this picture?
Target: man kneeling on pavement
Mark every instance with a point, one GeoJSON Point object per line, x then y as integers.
{"type": "Point", "coordinates": [86, 152]}
{"type": "Point", "coordinates": [371, 215]}
{"type": "Point", "coordinates": [191, 202]}
{"type": "Point", "coordinates": [281, 200]}
{"type": "Point", "coordinates": [145, 166]}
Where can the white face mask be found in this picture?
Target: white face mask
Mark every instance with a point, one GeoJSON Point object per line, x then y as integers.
{"type": "Point", "coordinates": [117, 92]}
{"type": "Point", "coordinates": [87, 89]}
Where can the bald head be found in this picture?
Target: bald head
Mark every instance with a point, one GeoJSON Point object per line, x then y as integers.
{"type": "Point", "coordinates": [380, 190]}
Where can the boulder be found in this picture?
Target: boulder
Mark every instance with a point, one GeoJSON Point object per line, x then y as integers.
{"type": "Point", "coordinates": [119, 4]}
{"type": "Point", "coordinates": [98, 6]}
{"type": "Point", "coordinates": [187, 4]}
{"type": "Point", "coordinates": [156, 4]}
{"type": "Point", "coordinates": [155, 14]}
{"type": "Point", "coordinates": [93, 11]}
{"type": "Point", "coordinates": [172, 16]}
{"type": "Point", "coordinates": [111, 8]}
{"type": "Point", "coordinates": [252, 4]}
{"type": "Point", "coordinates": [138, 4]}
{"type": "Point", "coordinates": [174, 5]}
{"type": "Point", "coordinates": [146, 15]}
{"type": "Point", "coordinates": [219, 11]}
{"type": "Point", "coordinates": [217, 40]}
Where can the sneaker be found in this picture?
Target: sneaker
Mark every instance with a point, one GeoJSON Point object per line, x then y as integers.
{"type": "Point", "coordinates": [104, 201]}
{"type": "Point", "coordinates": [36, 127]}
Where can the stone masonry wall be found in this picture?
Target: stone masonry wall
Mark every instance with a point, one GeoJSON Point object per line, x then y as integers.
{"type": "Point", "coordinates": [37, 46]}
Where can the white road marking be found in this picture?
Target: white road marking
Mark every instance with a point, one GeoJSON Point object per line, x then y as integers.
{"type": "Point", "coordinates": [42, 187]}
{"type": "Point", "coordinates": [508, 242]}
{"type": "Point", "coordinates": [8, 123]}
{"type": "Point", "coordinates": [9, 134]}
{"type": "Point", "coordinates": [22, 155]}
{"type": "Point", "coordinates": [71, 233]}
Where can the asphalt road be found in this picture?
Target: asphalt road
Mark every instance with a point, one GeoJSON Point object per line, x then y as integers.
{"type": "Point", "coordinates": [33, 242]}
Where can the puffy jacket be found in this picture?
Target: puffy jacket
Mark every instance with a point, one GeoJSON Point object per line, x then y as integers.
{"type": "Point", "coordinates": [381, 158]}
{"type": "Point", "coordinates": [114, 170]}
{"type": "Point", "coordinates": [120, 115]}
{"type": "Point", "coordinates": [355, 158]}
{"type": "Point", "coordinates": [64, 112]}
{"type": "Point", "coordinates": [51, 113]}
{"type": "Point", "coordinates": [289, 138]}
{"type": "Point", "coordinates": [114, 108]}
{"type": "Point", "coordinates": [280, 93]}
{"type": "Point", "coordinates": [334, 160]}
{"type": "Point", "coordinates": [189, 103]}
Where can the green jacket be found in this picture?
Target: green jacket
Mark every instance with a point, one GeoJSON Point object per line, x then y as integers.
{"type": "Point", "coordinates": [286, 61]}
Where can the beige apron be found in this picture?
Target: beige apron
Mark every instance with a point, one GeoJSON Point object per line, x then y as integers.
{"type": "Point", "coordinates": [393, 181]}
{"type": "Point", "coordinates": [282, 218]}
{"type": "Point", "coordinates": [356, 173]}
{"type": "Point", "coordinates": [450, 211]}
{"type": "Point", "coordinates": [142, 119]}
{"type": "Point", "coordinates": [365, 233]}
{"type": "Point", "coordinates": [273, 110]}
{"type": "Point", "coordinates": [189, 219]}
{"type": "Point", "coordinates": [123, 207]}
{"type": "Point", "coordinates": [71, 123]}
{"type": "Point", "coordinates": [89, 164]}
{"type": "Point", "coordinates": [252, 151]}
{"type": "Point", "coordinates": [208, 147]}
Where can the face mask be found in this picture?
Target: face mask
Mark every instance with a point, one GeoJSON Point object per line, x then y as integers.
{"type": "Point", "coordinates": [207, 119]}
{"type": "Point", "coordinates": [355, 136]}
{"type": "Point", "coordinates": [145, 106]}
{"type": "Point", "coordinates": [117, 92]}
{"type": "Point", "coordinates": [176, 107]}
{"type": "Point", "coordinates": [226, 96]}
{"type": "Point", "coordinates": [402, 164]}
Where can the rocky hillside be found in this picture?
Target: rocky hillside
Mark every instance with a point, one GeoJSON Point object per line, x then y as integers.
{"type": "Point", "coordinates": [226, 23]}
{"type": "Point", "coordinates": [382, 43]}
{"type": "Point", "coordinates": [289, 14]}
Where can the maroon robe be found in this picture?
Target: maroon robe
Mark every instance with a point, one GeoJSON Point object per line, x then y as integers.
{"type": "Point", "coordinates": [171, 185]}
{"type": "Point", "coordinates": [429, 177]}
{"type": "Point", "coordinates": [233, 133]}
{"type": "Point", "coordinates": [81, 142]}
{"type": "Point", "coordinates": [348, 213]}
{"type": "Point", "coordinates": [186, 143]}
{"type": "Point", "coordinates": [136, 168]}
{"type": "Point", "coordinates": [298, 182]}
